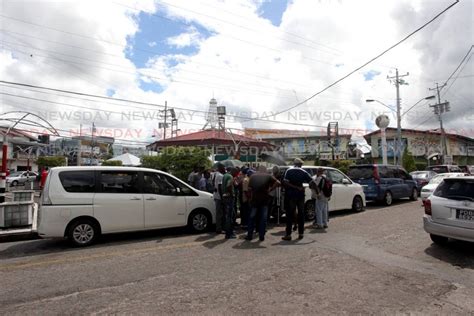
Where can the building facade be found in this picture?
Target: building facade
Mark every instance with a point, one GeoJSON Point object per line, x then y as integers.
{"type": "Point", "coordinates": [309, 145]}
{"type": "Point", "coordinates": [22, 150]}
{"type": "Point", "coordinates": [425, 146]}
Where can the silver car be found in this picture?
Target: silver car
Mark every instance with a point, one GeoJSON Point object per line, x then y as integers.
{"type": "Point", "coordinates": [449, 211]}
{"type": "Point", "coordinates": [21, 177]}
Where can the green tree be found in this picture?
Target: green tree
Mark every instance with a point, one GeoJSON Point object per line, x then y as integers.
{"type": "Point", "coordinates": [112, 163]}
{"type": "Point", "coordinates": [179, 161]}
{"type": "Point", "coordinates": [408, 161]}
{"type": "Point", "coordinates": [342, 165]}
{"type": "Point", "coordinates": [51, 161]}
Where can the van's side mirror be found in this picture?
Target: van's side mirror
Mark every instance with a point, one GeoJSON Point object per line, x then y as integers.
{"type": "Point", "coordinates": [345, 181]}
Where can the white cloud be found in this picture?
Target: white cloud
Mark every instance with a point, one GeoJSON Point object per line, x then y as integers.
{"type": "Point", "coordinates": [190, 38]}
{"type": "Point", "coordinates": [247, 63]}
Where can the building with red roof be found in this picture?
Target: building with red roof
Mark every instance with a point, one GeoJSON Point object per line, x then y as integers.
{"type": "Point", "coordinates": [222, 144]}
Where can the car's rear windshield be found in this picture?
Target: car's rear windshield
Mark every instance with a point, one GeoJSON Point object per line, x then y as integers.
{"type": "Point", "coordinates": [438, 169]}
{"type": "Point", "coordinates": [456, 189]}
{"type": "Point", "coordinates": [361, 172]}
{"type": "Point", "coordinates": [420, 175]}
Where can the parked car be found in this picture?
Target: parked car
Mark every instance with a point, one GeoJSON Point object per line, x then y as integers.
{"type": "Point", "coordinates": [384, 183]}
{"type": "Point", "coordinates": [346, 194]}
{"type": "Point", "coordinates": [433, 184]}
{"type": "Point", "coordinates": [467, 169]}
{"type": "Point", "coordinates": [422, 178]}
{"type": "Point", "coordinates": [449, 211]}
{"type": "Point", "coordinates": [80, 203]}
{"type": "Point", "coordinates": [444, 168]}
{"type": "Point", "coordinates": [21, 177]}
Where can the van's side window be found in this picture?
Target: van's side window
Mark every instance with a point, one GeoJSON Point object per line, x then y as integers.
{"type": "Point", "coordinates": [119, 182]}
{"type": "Point", "coordinates": [155, 183]}
{"type": "Point", "coordinates": [77, 181]}
{"type": "Point", "coordinates": [336, 176]}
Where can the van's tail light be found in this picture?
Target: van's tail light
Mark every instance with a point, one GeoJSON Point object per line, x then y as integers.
{"type": "Point", "coordinates": [45, 200]}
{"type": "Point", "coordinates": [427, 205]}
{"type": "Point", "coordinates": [376, 176]}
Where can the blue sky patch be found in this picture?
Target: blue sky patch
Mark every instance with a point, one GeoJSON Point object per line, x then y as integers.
{"type": "Point", "coordinates": [371, 74]}
{"type": "Point", "coordinates": [156, 29]}
{"type": "Point", "coordinates": [273, 10]}
{"type": "Point", "coordinates": [151, 86]}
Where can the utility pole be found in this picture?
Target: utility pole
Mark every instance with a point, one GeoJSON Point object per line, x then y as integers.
{"type": "Point", "coordinates": [92, 144]}
{"type": "Point", "coordinates": [79, 149]}
{"type": "Point", "coordinates": [398, 146]}
{"type": "Point", "coordinates": [439, 109]}
{"type": "Point", "coordinates": [166, 114]}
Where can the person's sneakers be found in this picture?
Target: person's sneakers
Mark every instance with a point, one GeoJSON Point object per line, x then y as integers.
{"type": "Point", "coordinates": [287, 237]}
{"type": "Point", "coordinates": [261, 238]}
{"type": "Point", "coordinates": [300, 237]}
{"type": "Point", "coordinates": [230, 237]}
{"type": "Point", "coordinates": [248, 238]}
{"type": "Point", "coordinates": [325, 226]}
{"type": "Point", "coordinates": [316, 226]}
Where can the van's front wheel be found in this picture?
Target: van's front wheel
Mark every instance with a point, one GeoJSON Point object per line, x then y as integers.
{"type": "Point", "coordinates": [82, 233]}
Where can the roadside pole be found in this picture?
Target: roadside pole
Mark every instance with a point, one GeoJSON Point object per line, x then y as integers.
{"type": "Point", "coordinates": [3, 173]}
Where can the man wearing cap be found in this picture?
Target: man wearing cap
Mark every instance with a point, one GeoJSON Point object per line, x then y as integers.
{"type": "Point", "coordinates": [294, 195]}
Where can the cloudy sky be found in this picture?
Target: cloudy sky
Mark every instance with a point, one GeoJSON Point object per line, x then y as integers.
{"type": "Point", "coordinates": [256, 57]}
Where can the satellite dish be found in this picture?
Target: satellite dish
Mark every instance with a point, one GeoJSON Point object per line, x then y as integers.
{"type": "Point", "coordinates": [382, 121]}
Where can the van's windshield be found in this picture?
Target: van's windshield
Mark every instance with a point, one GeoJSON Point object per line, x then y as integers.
{"type": "Point", "coordinates": [361, 172]}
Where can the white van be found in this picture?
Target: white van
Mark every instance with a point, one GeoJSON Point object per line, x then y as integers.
{"type": "Point", "coordinates": [80, 203]}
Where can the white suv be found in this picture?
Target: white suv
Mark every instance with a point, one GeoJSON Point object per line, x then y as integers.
{"type": "Point", "coordinates": [449, 211]}
{"type": "Point", "coordinates": [80, 203]}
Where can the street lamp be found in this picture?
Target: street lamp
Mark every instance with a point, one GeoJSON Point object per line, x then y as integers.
{"type": "Point", "coordinates": [398, 153]}
{"type": "Point", "coordinates": [427, 98]}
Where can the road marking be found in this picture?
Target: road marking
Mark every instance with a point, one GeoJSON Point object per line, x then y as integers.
{"type": "Point", "coordinates": [75, 259]}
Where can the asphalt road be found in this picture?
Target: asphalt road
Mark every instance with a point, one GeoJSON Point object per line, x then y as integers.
{"type": "Point", "coordinates": [377, 261]}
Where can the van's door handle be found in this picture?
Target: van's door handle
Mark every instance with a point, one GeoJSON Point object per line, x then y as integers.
{"type": "Point", "coordinates": [135, 199]}
{"type": "Point", "coordinates": [151, 199]}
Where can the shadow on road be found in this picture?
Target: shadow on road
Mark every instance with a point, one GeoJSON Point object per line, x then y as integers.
{"type": "Point", "coordinates": [48, 246]}
{"type": "Point", "coordinates": [249, 245]}
{"type": "Point", "coordinates": [214, 243]}
{"type": "Point", "coordinates": [457, 253]}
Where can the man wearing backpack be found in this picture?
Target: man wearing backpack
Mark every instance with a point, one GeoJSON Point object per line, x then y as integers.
{"type": "Point", "coordinates": [323, 194]}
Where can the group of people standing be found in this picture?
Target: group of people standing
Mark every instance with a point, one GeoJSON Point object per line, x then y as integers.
{"type": "Point", "coordinates": [253, 192]}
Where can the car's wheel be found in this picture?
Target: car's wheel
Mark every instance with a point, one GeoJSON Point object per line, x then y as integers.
{"type": "Point", "coordinates": [83, 232]}
{"type": "Point", "coordinates": [14, 183]}
{"type": "Point", "coordinates": [357, 204]}
{"type": "Point", "coordinates": [309, 211]}
{"type": "Point", "coordinates": [414, 195]}
{"type": "Point", "coordinates": [439, 240]}
{"type": "Point", "coordinates": [199, 221]}
{"type": "Point", "coordinates": [388, 198]}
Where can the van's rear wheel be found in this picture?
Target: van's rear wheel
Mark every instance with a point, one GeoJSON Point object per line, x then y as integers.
{"type": "Point", "coordinates": [414, 195]}
{"type": "Point", "coordinates": [200, 221]}
{"type": "Point", "coordinates": [83, 233]}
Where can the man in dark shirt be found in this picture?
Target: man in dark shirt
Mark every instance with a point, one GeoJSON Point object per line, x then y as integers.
{"type": "Point", "coordinates": [260, 184]}
{"type": "Point", "coordinates": [294, 195]}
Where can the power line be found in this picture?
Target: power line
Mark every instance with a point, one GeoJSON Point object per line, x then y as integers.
{"type": "Point", "coordinates": [370, 61]}
{"type": "Point", "coordinates": [137, 102]}
{"type": "Point", "coordinates": [139, 71]}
